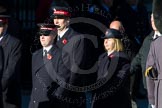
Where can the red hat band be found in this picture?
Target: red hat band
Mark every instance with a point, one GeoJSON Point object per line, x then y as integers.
{"type": "Point", "coordinates": [44, 28]}
{"type": "Point", "coordinates": [62, 12]}
{"type": "Point", "coordinates": [3, 20]}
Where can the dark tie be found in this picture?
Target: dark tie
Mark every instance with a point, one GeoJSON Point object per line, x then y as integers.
{"type": "Point", "coordinates": [58, 38]}
{"type": "Point", "coordinates": [45, 53]}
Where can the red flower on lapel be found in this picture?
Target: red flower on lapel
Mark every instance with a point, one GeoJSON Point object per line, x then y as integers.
{"type": "Point", "coordinates": [49, 56]}
{"type": "Point", "coordinates": [64, 41]}
{"type": "Point", "coordinates": [111, 55]}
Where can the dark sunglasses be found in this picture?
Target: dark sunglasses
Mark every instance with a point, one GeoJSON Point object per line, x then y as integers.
{"type": "Point", "coordinates": [44, 32]}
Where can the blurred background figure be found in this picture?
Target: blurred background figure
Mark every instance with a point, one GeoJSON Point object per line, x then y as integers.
{"type": "Point", "coordinates": [129, 46]}
{"type": "Point", "coordinates": [134, 17]}
{"type": "Point", "coordinates": [105, 6]}
{"type": "Point", "coordinates": [43, 10]}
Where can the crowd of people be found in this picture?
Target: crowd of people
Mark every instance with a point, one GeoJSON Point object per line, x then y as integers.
{"type": "Point", "coordinates": [92, 54]}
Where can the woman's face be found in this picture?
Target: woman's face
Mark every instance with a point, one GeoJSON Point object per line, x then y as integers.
{"type": "Point", "coordinates": [109, 44]}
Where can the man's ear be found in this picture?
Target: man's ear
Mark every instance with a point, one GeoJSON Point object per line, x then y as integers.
{"type": "Point", "coordinates": [68, 20]}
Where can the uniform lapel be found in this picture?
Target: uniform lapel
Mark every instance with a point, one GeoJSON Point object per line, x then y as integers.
{"type": "Point", "coordinates": [65, 39]}
{"type": "Point", "coordinates": [39, 61]}
{"type": "Point", "coordinates": [4, 40]}
{"type": "Point", "coordinates": [113, 65]}
{"type": "Point", "coordinates": [49, 64]}
{"type": "Point", "coordinates": [104, 63]}
{"type": "Point", "coordinates": [43, 62]}
{"type": "Point", "coordinates": [109, 65]}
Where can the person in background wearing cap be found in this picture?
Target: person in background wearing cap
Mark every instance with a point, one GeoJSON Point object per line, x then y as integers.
{"type": "Point", "coordinates": [12, 58]}
{"type": "Point", "coordinates": [154, 60]}
{"type": "Point", "coordinates": [129, 48]}
{"type": "Point", "coordinates": [114, 68]}
{"type": "Point", "coordinates": [45, 64]}
{"type": "Point", "coordinates": [1, 71]}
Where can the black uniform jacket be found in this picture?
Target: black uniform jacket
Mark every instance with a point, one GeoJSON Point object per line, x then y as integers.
{"type": "Point", "coordinates": [78, 56]}
{"type": "Point", "coordinates": [1, 61]}
{"type": "Point", "coordinates": [113, 73]}
{"type": "Point", "coordinates": [45, 70]}
{"type": "Point", "coordinates": [10, 78]}
{"type": "Point", "coordinates": [1, 71]}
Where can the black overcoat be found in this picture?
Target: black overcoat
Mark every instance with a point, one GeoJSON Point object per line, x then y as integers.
{"type": "Point", "coordinates": [77, 53]}
{"type": "Point", "coordinates": [10, 79]}
{"type": "Point", "coordinates": [45, 71]}
{"type": "Point", "coordinates": [1, 71]}
{"type": "Point", "coordinates": [113, 75]}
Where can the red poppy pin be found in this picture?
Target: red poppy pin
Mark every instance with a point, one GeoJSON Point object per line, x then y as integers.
{"type": "Point", "coordinates": [111, 56]}
{"type": "Point", "coordinates": [64, 41]}
{"type": "Point", "coordinates": [49, 56]}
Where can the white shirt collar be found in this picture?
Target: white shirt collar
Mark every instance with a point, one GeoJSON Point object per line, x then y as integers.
{"type": "Point", "coordinates": [47, 48]}
{"type": "Point", "coordinates": [62, 32]}
{"type": "Point", "coordinates": [1, 38]}
{"type": "Point", "coordinates": [3, 34]}
{"type": "Point", "coordinates": [157, 33]}
{"type": "Point", "coordinates": [109, 52]}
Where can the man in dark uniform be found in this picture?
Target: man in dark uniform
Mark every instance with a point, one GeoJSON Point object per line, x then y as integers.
{"type": "Point", "coordinates": [67, 38]}
{"type": "Point", "coordinates": [12, 55]}
{"type": "Point", "coordinates": [75, 54]}
{"type": "Point", "coordinates": [45, 64]}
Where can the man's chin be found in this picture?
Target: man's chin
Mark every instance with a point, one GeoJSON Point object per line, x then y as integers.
{"type": "Point", "coordinates": [60, 29]}
{"type": "Point", "coordinates": [44, 45]}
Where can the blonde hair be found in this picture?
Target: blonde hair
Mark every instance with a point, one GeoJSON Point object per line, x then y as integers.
{"type": "Point", "coordinates": [118, 45]}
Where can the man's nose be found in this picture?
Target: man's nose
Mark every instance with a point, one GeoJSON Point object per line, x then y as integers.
{"type": "Point", "coordinates": [42, 36]}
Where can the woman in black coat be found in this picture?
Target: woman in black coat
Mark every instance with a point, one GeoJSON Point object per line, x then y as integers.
{"type": "Point", "coordinates": [113, 74]}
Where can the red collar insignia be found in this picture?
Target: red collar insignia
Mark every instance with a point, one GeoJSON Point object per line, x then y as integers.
{"type": "Point", "coordinates": [111, 55]}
